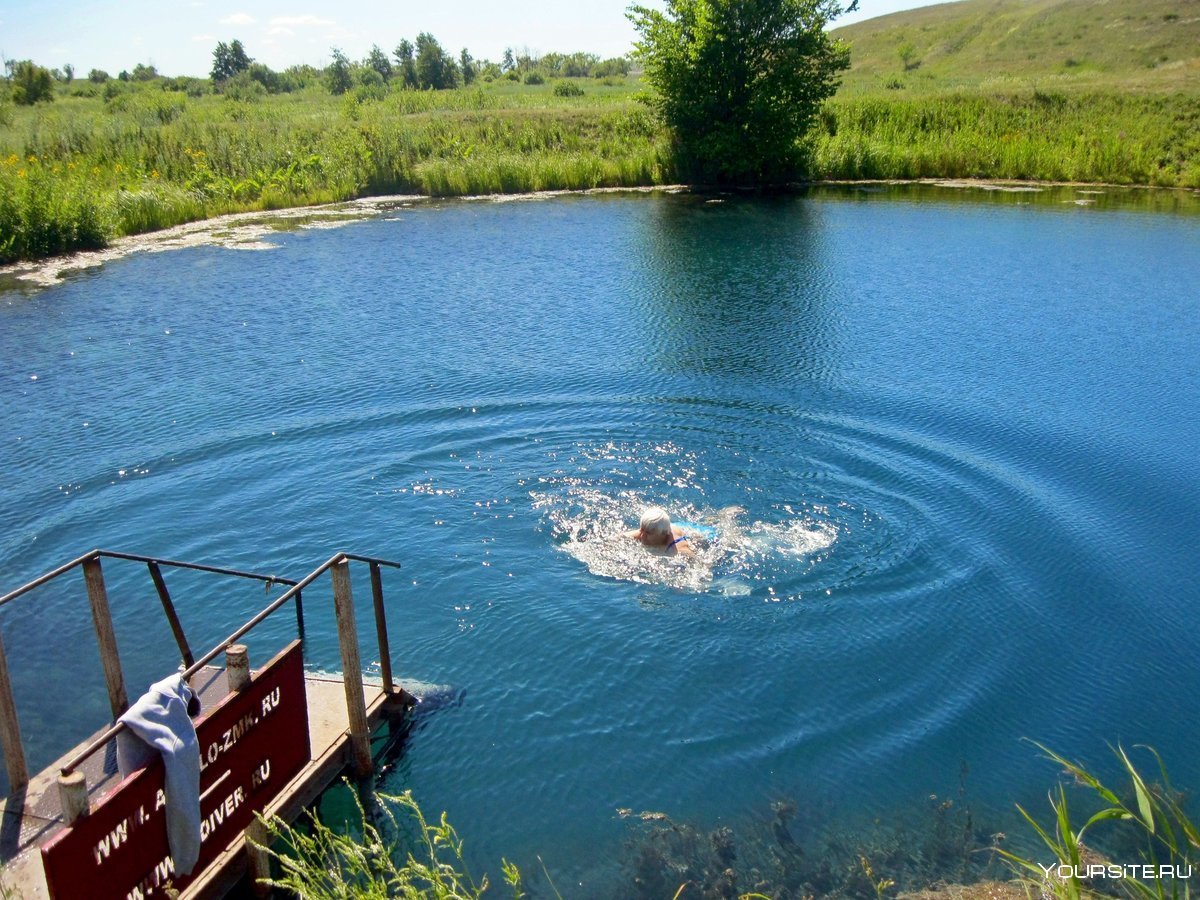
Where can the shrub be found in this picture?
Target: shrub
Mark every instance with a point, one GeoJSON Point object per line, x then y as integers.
{"type": "Point", "coordinates": [567, 89]}
{"type": "Point", "coordinates": [31, 83]}
{"type": "Point", "coordinates": [534, 78]}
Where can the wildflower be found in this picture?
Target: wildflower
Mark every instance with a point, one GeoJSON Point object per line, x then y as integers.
{"type": "Point", "coordinates": [21, 174]}
{"type": "Point", "coordinates": [32, 158]}
{"type": "Point", "coordinates": [154, 173]}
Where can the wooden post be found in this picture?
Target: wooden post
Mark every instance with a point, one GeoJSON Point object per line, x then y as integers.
{"type": "Point", "coordinates": [356, 703]}
{"type": "Point", "coordinates": [10, 731]}
{"type": "Point", "coordinates": [237, 667]}
{"type": "Point", "coordinates": [385, 652]}
{"type": "Point", "coordinates": [110, 657]}
{"type": "Point", "coordinates": [73, 795]}
{"type": "Point", "coordinates": [258, 860]}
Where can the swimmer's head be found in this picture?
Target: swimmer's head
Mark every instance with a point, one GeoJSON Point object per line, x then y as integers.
{"type": "Point", "coordinates": [656, 523]}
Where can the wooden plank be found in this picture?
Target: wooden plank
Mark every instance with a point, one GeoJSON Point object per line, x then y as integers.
{"type": "Point", "coordinates": [356, 705]}
{"type": "Point", "coordinates": [10, 731]}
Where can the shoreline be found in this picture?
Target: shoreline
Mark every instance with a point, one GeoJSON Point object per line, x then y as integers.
{"type": "Point", "coordinates": [249, 230]}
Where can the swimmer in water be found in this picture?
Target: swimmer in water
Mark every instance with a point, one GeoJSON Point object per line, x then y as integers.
{"type": "Point", "coordinates": [657, 532]}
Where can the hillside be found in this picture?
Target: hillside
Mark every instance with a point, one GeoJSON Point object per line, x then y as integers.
{"type": "Point", "coordinates": [1004, 44]}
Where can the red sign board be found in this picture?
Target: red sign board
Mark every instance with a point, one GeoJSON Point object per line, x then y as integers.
{"type": "Point", "coordinates": [251, 744]}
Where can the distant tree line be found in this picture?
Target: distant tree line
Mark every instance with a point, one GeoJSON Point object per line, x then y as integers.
{"type": "Point", "coordinates": [421, 64]}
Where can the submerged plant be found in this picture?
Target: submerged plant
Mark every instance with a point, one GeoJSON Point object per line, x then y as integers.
{"type": "Point", "coordinates": [318, 863]}
{"type": "Point", "coordinates": [781, 857]}
{"type": "Point", "coordinates": [1149, 820]}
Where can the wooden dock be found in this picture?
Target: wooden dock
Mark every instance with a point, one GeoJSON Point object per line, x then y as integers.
{"type": "Point", "coordinates": [271, 740]}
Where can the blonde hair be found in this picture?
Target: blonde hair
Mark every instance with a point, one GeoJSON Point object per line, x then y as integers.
{"type": "Point", "coordinates": [656, 521]}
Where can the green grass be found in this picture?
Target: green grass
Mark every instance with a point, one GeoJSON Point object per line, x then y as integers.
{"type": "Point", "coordinates": [1145, 139]}
{"type": "Point", "coordinates": [391, 852]}
{"type": "Point", "coordinates": [82, 170]}
{"type": "Point", "coordinates": [1123, 45]}
{"type": "Point", "coordinates": [1148, 821]}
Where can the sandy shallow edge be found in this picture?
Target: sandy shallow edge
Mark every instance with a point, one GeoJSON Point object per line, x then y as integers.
{"type": "Point", "coordinates": [251, 230]}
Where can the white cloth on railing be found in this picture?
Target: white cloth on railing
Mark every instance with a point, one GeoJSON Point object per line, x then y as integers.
{"type": "Point", "coordinates": [158, 723]}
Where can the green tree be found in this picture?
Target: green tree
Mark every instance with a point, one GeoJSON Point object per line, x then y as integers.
{"type": "Point", "coordinates": [435, 69]}
{"type": "Point", "coordinates": [142, 72]}
{"type": "Point", "coordinates": [97, 76]}
{"type": "Point", "coordinates": [468, 66]}
{"type": "Point", "coordinates": [337, 75]}
{"type": "Point", "coordinates": [228, 60]}
{"type": "Point", "coordinates": [740, 82]}
{"type": "Point", "coordinates": [378, 60]}
{"type": "Point", "coordinates": [406, 61]}
{"type": "Point", "coordinates": [265, 76]}
{"type": "Point", "coordinates": [31, 83]}
{"type": "Point", "coordinates": [68, 71]}
{"type": "Point", "coordinates": [907, 53]}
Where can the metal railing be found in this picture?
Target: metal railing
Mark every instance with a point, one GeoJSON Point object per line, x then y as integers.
{"type": "Point", "coordinates": [338, 567]}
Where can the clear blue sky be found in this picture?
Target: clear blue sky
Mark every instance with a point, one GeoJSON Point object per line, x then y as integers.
{"type": "Point", "coordinates": [178, 36]}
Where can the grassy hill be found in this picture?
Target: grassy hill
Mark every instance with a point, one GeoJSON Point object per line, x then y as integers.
{"type": "Point", "coordinates": [1003, 45]}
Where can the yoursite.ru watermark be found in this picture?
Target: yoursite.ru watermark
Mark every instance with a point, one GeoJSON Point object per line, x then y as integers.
{"type": "Point", "coordinates": [1113, 870]}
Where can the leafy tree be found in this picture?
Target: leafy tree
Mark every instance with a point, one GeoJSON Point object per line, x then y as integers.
{"type": "Point", "coordinates": [405, 59]}
{"type": "Point", "coordinates": [243, 88]}
{"type": "Point", "coordinates": [97, 76]}
{"type": "Point", "coordinates": [297, 78]}
{"type": "Point", "coordinates": [740, 82]}
{"type": "Point", "coordinates": [378, 60]}
{"type": "Point", "coordinates": [907, 53]}
{"type": "Point", "coordinates": [371, 85]}
{"type": "Point", "coordinates": [144, 73]}
{"type": "Point", "coordinates": [338, 75]}
{"type": "Point", "coordinates": [435, 69]}
{"type": "Point", "coordinates": [618, 65]}
{"type": "Point", "coordinates": [509, 63]}
{"type": "Point", "coordinates": [266, 76]}
{"type": "Point", "coordinates": [228, 60]}
{"type": "Point", "coordinates": [468, 66]}
{"type": "Point", "coordinates": [68, 73]}
{"type": "Point", "coordinates": [31, 83]}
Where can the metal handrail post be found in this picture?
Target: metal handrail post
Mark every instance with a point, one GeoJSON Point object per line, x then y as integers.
{"type": "Point", "coordinates": [164, 595]}
{"type": "Point", "coordinates": [381, 632]}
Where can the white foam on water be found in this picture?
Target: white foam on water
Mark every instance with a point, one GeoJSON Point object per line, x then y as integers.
{"type": "Point", "coordinates": [592, 526]}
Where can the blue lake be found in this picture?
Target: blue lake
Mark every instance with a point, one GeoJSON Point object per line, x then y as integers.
{"type": "Point", "coordinates": [961, 429]}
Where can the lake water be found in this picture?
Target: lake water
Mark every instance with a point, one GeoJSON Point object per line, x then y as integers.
{"type": "Point", "coordinates": [961, 428]}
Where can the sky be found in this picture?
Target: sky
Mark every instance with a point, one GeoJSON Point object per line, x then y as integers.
{"type": "Point", "coordinates": [178, 36]}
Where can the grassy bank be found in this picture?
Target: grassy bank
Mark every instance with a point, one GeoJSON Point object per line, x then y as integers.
{"type": "Point", "coordinates": [79, 171]}
{"type": "Point", "coordinates": [84, 169]}
{"type": "Point", "coordinates": [1144, 139]}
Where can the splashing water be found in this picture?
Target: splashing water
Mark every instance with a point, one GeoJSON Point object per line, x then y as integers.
{"type": "Point", "coordinates": [590, 516]}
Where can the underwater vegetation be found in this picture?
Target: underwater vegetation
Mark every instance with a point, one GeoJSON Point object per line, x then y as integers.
{"type": "Point", "coordinates": [784, 855]}
{"type": "Point", "coordinates": [1140, 844]}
